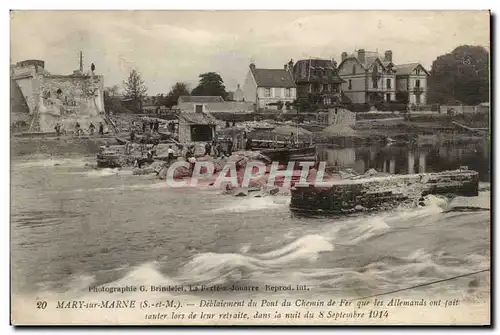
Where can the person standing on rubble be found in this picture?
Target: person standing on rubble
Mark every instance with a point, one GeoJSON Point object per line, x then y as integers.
{"type": "Point", "coordinates": [91, 128]}
{"type": "Point", "coordinates": [208, 149]}
{"type": "Point", "coordinates": [57, 128]}
{"type": "Point", "coordinates": [230, 145]}
{"type": "Point", "coordinates": [218, 150]}
{"type": "Point", "coordinates": [292, 141]}
{"type": "Point", "coordinates": [214, 146]}
{"type": "Point", "coordinates": [101, 129]}
{"type": "Point", "coordinates": [192, 162]}
{"type": "Point", "coordinates": [77, 128]}
{"type": "Point", "coordinates": [132, 135]}
{"type": "Point", "coordinates": [170, 153]}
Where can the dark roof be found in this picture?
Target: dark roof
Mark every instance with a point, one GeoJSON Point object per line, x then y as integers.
{"type": "Point", "coordinates": [273, 78]}
{"type": "Point", "coordinates": [326, 63]}
{"type": "Point", "coordinates": [370, 58]}
{"type": "Point", "coordinates": [406, 69]}
{"type": "Point", "coordinates": [313, 64]}
{"type": "Point", "coordinates": [200, 99]}
{"type": "Point", "coordinates": [197, 118]}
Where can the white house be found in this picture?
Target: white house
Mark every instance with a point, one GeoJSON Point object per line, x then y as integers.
{"type": "Point", "coordinates": [269, 86]}
{"type": "Point", "coordinates": [411, 79]}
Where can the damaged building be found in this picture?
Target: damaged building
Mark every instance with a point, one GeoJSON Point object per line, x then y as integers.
{"type": "Point", "coordinates": [51, 99]}
{"type": "Point", "coordinates": [196, 127]}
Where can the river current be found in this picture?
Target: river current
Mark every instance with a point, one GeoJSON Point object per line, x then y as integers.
{"type": "Point", "coordinates": [75, 227]}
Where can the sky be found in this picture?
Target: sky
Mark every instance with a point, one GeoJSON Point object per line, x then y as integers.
{"type": "Point", "coordinates": [166, 47]}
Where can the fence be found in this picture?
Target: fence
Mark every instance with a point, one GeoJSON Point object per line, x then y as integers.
{"type": "Point", "coordinates": [462, 109]}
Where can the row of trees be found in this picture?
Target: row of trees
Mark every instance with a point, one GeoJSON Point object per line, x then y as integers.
{"type": "Point", "coordinates": [134, 88]}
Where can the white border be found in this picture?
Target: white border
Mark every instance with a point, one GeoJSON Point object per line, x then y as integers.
{"type": "Point", "coordinates": [147, 4]}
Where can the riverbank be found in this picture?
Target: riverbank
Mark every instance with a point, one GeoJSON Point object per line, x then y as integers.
{"type": "Point", "coordinates": [370, 128]}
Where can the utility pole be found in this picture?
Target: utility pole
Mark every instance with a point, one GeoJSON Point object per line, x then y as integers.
{"type": "Point", "coordinates": [81, 62]}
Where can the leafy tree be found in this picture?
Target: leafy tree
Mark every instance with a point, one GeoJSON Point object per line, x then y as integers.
{"type": "Point", "coordinates": [110, 99]}
{"type": "Point", "coordinates": [462, 75]}
{"type": "Point", "coordinates": [134, 87]}
{"type": "Point", "coordinates": [179, 89]}
{"type": "Point", "coordinates": [111, 91]}
{"type": "Point", "coordinates": [210, 84]}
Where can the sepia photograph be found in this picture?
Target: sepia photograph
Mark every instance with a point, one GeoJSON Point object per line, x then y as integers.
{"type": "Point", "coordinates": [250, 167]}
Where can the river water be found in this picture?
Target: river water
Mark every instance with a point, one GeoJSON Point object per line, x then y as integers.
{"type": "Point", "coordinates": [73, 227]}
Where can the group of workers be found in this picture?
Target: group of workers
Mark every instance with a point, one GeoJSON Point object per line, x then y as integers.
{"type": "Point", "coordinates": [219, 148]}
{"type": "Point", "coordinates": [154, 126]}
{"type": "Point", "coordinates": [78, 129]}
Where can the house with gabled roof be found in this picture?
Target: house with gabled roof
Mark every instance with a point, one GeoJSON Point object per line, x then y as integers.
{"type": "Point", "coordinates": [369, 77]}
{"type": "Point", "coordinates": [411, 83]}
{"type": "Point", "coordinates": [270, 88]}
{"type": "Point", "coordinates": [196, 127]}
{"type": "Point", "coordinates": [318, 81]}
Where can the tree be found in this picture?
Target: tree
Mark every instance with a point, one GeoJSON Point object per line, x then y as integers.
{"type": "Point", "coordinates": [111, 91]}
{"type": "Point", "coordinates": [210, 84]}
{"type": "Point", "coordinates": [460, 76]}
{"type": "Point", "coordinates": [109, 97]}
{"type": "Point", "coordinates": [134, 87]}
{"type": "Point", "coordinates": [179, 89]}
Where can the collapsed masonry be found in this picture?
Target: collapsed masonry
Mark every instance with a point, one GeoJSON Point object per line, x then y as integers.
{"type": "Point", "coordinates": [63, 99]}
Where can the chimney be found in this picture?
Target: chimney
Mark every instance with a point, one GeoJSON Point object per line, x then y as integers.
{"type": "Point", "coordinates": [388, 56]}
{"type": "Point", "coordinates": [344, 55]}
{"type": "Point", "coordinates": [238, 86]}
{"type": "Point", "coordinates": [252, 67]}
{"type": "Point", "coordinates": [361, 56]}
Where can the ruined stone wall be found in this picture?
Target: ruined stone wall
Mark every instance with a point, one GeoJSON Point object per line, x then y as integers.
{"type": "Point", "coordinates": [68, 99]}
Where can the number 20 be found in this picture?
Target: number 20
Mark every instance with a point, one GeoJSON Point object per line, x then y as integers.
{"type": "Point", "coordinates": [41, 304]}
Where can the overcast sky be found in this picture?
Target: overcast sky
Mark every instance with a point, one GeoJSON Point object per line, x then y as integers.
{"type": "Point", "coordinates": [170, 46]}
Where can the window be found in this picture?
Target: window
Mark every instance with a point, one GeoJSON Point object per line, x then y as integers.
{"type": "Point", "coordinates": [350, 84]}
{"type": "Point", "coordinates": [198, 108]}
{"type": "Point", "coordinates": [316, 88]}
{"type": "Point", "coordinates": [325, 88]}
{"type": "Point", "coordinates": [354, 69]}
{"type": "Point", "coordinates": [388, 97]}
{"type": "Point", "coordinates": [287, 93]}
{"type": "Point", "coordinates": [417, 83]}
{"type": "Point", "coordinates": [388, 83]}
{"type": "Point", "coordinates": [417, 71]}
{"type": "Point", "coordinates": [277, 92]}
{"type": "Point", "coordinates": [267, 92]}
